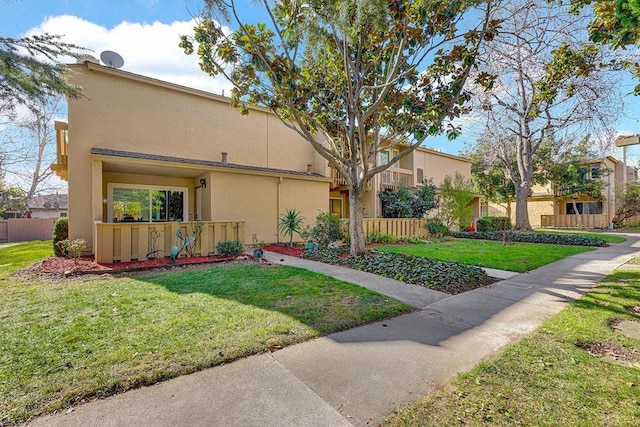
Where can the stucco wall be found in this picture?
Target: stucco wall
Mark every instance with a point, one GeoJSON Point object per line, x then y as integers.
{"type": "Point", "coordinates": [438, 165]}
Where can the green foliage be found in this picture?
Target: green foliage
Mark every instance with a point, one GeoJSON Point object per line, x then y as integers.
{"type": "Point", "coordinates": [403, 203]}
{"type": "Point", "coordinates": [378, 237]}
{"type": "Point", "coordinates": [12, 198]}
{"type": "Point", "coordinates": [291, 222]}
{"type": "Point", "coordinates": [328, 229]}
{"type": "Point", "coordinates": [24, 78]}
{"type": "Point", "coordinates": [436, 228]}
{"type": "Point", "coordinates": [627, 203]}
{"type": "Point", "coordinates": [60, 233]}
{"type": "Point", "coordinates": [494, 223]}
{"type": "Point", "coordinates": [456, 195]}
{"type": "Point", "coordinates": [444, 276]}
{"type": "Point", "coordinates": [550, 238]}
{"type": "Point", "coordinates": [396, 69]}
{"type": "Point", "coordinates": [229, 248]}
{"type": "Point", "coordinates": [73, 249]}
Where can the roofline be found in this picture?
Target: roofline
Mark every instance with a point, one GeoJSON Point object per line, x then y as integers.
{"type": "Point", "coordinates": [440, 153]}
{"type": "Point", "coordinates": [92, 66]}
{"type": "Point", "coordinates": [228, 167]}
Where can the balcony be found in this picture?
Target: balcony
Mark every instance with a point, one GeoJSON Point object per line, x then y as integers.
{"type": "Point", "coordinates": [338, 180]}
{"type": "Point", "coordinates": [393, 178]}
{"type": "Point", "coordinates": [60, 167]}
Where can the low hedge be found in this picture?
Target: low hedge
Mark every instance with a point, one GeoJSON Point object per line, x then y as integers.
{"type": "Point", "coordinates": [444, 276]}
{"type": "Point", "coordinates": [494, 223]}
{"type": "Point", "coordinates": [525, 237]}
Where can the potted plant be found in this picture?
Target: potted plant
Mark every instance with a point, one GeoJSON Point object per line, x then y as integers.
{"type": "Point", "coordinates": [258, 247]}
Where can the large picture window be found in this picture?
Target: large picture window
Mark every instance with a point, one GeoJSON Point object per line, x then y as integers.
{"type": "Point", "coordinates": [586, 208]}
{"type": "Point", "coordinates": [129, 203]}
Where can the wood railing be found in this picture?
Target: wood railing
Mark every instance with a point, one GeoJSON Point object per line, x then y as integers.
{"type": "Point", "coordinates": [339, 181]}
{"type": "Point", "coordinates": [571, 221]}
{"type": "Point", "coordinates": [134, 241]}
{"type": "Point", "coordinates": [393, 178]}
{"type": "Point", "coordinates": [402, 228]}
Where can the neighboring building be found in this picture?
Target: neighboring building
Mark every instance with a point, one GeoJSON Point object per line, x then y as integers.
{"type": "Point", "coordinates": [141, 154]}
{"type": "Point", "coordinates": [49, 206]}
{"type": "Point", "coordinates": [548, 208]}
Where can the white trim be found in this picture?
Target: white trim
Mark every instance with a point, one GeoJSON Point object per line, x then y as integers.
{"type": "Point", "coordinates": [112, 185]}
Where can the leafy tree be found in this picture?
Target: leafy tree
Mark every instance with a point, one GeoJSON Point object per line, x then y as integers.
{"type": "Point", "coordinates": [352, 78]}
{"type": "Point", "coordinates": [541, 98]}
{"type": "Point", "coordinates": [456, 195]}
{"type": "Point", "coordinates": [404, 203]}
{"type": "Point", "coordinates": [615, 24]}
{"type": "Point", "coordinates": [34, 75]}
{"type": "Point", "coordinates": [572, 181]}
{"type": "Point", "coordinates": [627, 203]}
{"type": "Point", "coordinates": [12, 198]}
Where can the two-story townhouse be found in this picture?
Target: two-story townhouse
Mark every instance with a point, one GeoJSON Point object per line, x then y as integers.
{"type": "Point", "coordinates": [410, 171]}
{"type": "Point", "coordinates": [141, 154]}
{"type": "Point", "coordinates": [548, 207]}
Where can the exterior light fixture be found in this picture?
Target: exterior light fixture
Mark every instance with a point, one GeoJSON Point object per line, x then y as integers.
{"type": "Point", "coordinates": [203, 183]}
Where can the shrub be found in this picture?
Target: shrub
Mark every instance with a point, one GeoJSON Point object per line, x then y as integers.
{"type": "Point", "coordinates": [378, 237]}
{"type": "Point", "coordinates": [494, 223]}
{"type": "Point", "coordinates": [436, 228]}
{"type": "Point", "coordinates": [229, 248]}
{"type": "Point", "coordinates": [60, 233]}
{"type": "Point", "coordinates": [73, 249]}
{"type": "Point", "coordinates": [328, 229]}
{"type": "Point", "coordinates": [291, 222]}
{"type": "Point", "coordinates": [550, 238]}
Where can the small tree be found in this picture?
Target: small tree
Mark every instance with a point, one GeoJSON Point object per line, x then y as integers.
{"type": "Point", "coordinates": [627, 203]}
{"type": "Point", "coordinates": [291, 222]}
{"type": "Point", "coordinates": [456, 195]}
{"type": "Point", "coordinates": [404, 203]}
{"type": "Point", "coordinates": [11, 198]}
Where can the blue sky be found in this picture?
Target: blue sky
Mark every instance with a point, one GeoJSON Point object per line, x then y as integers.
{"type": "Point", "coordinates": [145, 33]}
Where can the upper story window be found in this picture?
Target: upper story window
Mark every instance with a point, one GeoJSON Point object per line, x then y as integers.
{"type": "Point", "coordinates": [594, 171]}
{"type": "Point", "coordinates": [386, 155]}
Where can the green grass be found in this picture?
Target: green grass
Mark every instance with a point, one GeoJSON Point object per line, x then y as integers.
{"type": "Point", "coordinates": [519, 257]}
{"type": "Point", "coordinates": [15, 257]}
{"type": "Point", "coordinates": [547, 379]}
{"type": "Point", "coordinates": [64, 341]}
{"type": "Point", "coordinates": [609, 238]}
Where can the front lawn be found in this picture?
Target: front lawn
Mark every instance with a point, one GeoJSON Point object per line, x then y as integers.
{"type": "Point", "coordinates": [68, 340]}
{"type": "Point", "coordinates": [519, 257]}
{"type": "Point", "coordinates": [554, 377]}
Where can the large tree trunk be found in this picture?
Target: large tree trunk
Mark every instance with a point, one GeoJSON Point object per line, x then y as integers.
{"type": "Point", "coordinates": [356, 232]}
{"type": "Point", "coordinates": [522, 211]}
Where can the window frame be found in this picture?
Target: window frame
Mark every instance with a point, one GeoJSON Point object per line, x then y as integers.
{"type": "Point", "coordinates": [150, 188]}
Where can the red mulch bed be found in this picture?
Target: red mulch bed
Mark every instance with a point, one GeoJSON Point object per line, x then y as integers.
{"type": "Point", "coordinates": [285, 250]}
{"type": "Point", "coordinates": [87, 265]}
{"type": "Point", "coordinates": [298, 250]}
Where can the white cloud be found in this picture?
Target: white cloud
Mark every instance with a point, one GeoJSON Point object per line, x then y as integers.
{"type": "Point", "coordinates": [148, 49]}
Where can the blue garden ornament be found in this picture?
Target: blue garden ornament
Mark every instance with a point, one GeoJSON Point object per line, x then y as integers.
{"type": "Point", "coordinates": [179, 247]}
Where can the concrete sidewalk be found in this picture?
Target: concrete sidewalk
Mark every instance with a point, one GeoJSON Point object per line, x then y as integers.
{"type": "Point", "coordinates": [357, 377]}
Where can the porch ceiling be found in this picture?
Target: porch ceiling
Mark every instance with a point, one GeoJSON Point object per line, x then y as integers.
{"type": "Point", "coordinates": [151, 169]}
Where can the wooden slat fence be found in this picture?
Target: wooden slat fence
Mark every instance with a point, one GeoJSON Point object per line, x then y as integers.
{"type": "Point", "coordinates": [26, 229]}
{"type": "Point", "coordinates": [571, 221]}
{"type": "Point", "coordinates": [134, 241]}
{"type": "Point", "coordinates": [402, 228]}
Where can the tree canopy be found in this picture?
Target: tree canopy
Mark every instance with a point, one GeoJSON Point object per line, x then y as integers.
{"type": "Point", "coordinates": [352, 78]}
{"type": "Point", "coordinates": [29, 71]}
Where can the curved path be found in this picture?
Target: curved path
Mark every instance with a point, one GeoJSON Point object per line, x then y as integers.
{"type": "Point", "coordinates": [359, 376]}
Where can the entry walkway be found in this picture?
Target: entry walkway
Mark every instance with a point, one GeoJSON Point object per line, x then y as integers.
{"type": "Point", "coordinates": [359, 376]}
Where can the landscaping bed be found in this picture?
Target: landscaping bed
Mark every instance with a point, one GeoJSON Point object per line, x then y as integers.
{"type": "Point", "coordinates": [87, 265]}
{"type": "Point", "coordinates": [443, 276]}
{"type": "Point", "coordinates": [527, 237]}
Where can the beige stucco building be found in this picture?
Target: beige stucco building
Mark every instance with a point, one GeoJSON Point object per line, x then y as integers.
{"type": "Point", "coordinates": [142, 154]}
{"type": "Point", "coordinates": [548, 208]}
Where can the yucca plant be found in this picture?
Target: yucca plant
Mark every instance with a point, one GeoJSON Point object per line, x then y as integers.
{"type": "Point", "coordinates": [291, 222]}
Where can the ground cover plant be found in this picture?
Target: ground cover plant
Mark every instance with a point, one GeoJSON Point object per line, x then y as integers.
{"type": "Point", "coordinates": [519, 257]}
{"type": "Point", "coordinates": [528, 237]}
{"type": "Point", "coordinates": [449, 277]}
{"type": "Point", "coordinates": [64, 341]}
{"type": "Point", "coordinates": [609, 238]}
{"type": "Point", "coordinates": [575, 370]}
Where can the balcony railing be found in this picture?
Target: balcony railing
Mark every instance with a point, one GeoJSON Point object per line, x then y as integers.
{"type": "Point", "coordinates": [393, 178]}
{"type": "Point", "coordinates": [134, 241]}
{"type": "Point", "coordinates": [571, 221]}
{"type": "Point", "coordinates": [60, 166]}
{"type": "Point", "coordinates": [339, 181]}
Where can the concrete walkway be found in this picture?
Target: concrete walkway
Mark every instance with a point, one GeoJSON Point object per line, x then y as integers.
{"type": "Point", "coordinates": [359, 376]}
